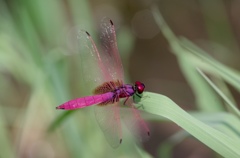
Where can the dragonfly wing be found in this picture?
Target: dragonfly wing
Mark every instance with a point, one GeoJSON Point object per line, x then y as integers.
{"type": "Point", "coordinates": [134, 122]}
{"type": "Point", "coordinates": [108, 119]}
{"type": "Point", "coordinates": [97, 67]}
{"type": "Point", "coordinates": [109, 47]}
{"type": "Point", "coordinates": [92, 70]}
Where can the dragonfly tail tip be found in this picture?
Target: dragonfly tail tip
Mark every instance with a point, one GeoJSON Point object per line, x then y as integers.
{"type": "Point", "coordinates": [59, 107]}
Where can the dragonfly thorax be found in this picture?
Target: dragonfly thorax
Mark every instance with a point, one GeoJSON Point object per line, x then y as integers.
{"type": "Point", "coordinates": [126, 90]}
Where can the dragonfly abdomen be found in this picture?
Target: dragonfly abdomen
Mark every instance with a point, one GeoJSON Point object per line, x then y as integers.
{"type": "Point", "coordinates": [87, 101]}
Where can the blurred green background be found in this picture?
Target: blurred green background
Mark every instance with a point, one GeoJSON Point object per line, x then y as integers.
{"type": "Point", "coordinates": [38, 72]}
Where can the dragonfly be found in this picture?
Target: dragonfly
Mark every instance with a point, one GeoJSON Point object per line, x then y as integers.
{"type": "Point", "coordinates": [105, 72]}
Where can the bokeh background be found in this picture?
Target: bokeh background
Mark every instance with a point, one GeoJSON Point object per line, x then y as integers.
{"type": "Point", "coordinates": [38, 72]}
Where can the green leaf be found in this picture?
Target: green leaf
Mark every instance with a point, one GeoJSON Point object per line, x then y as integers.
{"type": "Point", "coordinates": [5, 145]}
{"type": "Point", "coordinates": [225, 98]}
{"type": "Point", "coordinates": [217, 140]}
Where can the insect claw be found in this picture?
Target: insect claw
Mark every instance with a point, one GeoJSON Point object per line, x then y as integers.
{"type": "Point", "coordinates": [140, 106]}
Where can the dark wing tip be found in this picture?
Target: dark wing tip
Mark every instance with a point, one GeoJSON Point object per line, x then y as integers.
{"type": "Point", "coordinates": [87, 33]}
{"type": "Point", "coordinates": [148, 133]}
{"type": "Point", "coordinates": [111, 22]}
{"type": "Point", "coordinates": [120, 141]}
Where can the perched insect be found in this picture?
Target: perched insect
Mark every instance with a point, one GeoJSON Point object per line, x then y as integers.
{"type": "Point", "coordinates": [107, 76]}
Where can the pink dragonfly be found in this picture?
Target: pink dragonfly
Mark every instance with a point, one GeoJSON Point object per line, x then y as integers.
{"type": "Point", "coordinates": [104, 70]}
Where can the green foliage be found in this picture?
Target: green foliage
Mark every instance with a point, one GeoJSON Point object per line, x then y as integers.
{"type": "Point", "coordinates": [224, 137]}
{"type": "Point", "coordinates": [220, 138]}
{"type": "Point", "coordinates": [35, 77]}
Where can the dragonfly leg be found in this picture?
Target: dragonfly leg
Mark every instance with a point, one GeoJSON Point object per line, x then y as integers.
{"type": "Point", "coordinates": [138, 95]}
{"type": "Point", "coordinates": [140, 105]}
{"type": "Point", "coordinates": [117, 98]}
{"type": "Point", "coordinates": [142, 97]}
{"type": "Point", "coordinates": [125, 101]}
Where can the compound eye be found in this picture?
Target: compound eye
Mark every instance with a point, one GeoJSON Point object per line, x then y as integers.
{"type": "Point", "coordinates": [139, 87]}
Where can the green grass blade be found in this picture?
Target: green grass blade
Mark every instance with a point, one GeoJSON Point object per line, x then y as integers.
{"type": "Point", "coordinates": [5, 145]}
{"type": "Point", "coordinates": [167, 146]}
{"type": "Point", "coordinates": [208, 64]}
{"type": "Point", "coordinates": [205, 96]}
{"type": "Point", "coordinates": [225, 98]}
{"type": "Point", "coordinates": [218, 141]}
{"type": "Point", "coordinates": [58, 120]}
{"type": "Point", "coordinates": [143, 153]}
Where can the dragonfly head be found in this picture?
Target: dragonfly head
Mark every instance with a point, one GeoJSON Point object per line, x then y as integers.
{"type": "Point", "coordinates": [139, 87]}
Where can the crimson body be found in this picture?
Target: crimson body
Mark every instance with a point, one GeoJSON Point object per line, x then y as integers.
{"type": "Point", "coordinates": [111, 92]}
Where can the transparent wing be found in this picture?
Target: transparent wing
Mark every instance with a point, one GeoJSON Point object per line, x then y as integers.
{"type": "Point", "coordinates": [110, 49]}
{"type": "Point", "coordinates": [108, 119]}
{"type": "Point", "coordinates": [97, 67]}
{"type": "Point", "coordinates": [92, 70]}
{"type": "Point", "coordinates": [134, 122]}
